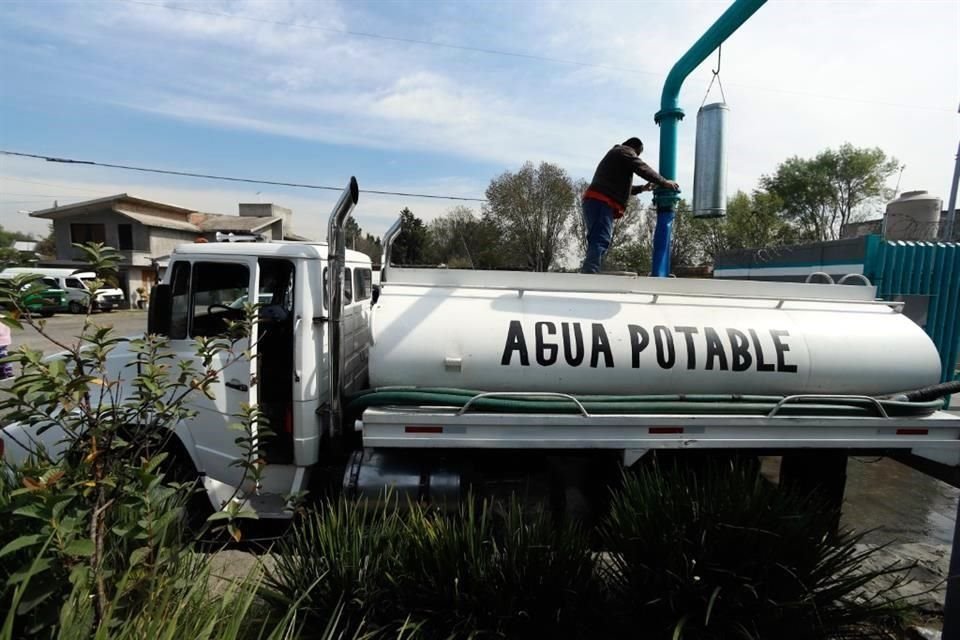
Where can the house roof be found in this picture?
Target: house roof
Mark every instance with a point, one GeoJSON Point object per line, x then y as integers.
{"type": "Point", "coordinates": [153, 220]}
{"type": "Point", "coordinates": [53, 213]}
{"type": "Point", "coordinates": [220, 222]}
{"type": "Point", "coordinates": [166, 216]}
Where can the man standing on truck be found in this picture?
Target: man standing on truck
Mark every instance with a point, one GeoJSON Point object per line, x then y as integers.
{"type": "Point", "coordinates": [605, 199]}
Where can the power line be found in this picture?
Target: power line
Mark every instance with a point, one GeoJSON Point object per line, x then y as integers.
{"type": "Point", "coordinates": [207, 176]}
{"type": "Point", "coordinates": [519, 54]}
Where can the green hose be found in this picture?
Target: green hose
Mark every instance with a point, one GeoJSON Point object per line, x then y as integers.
{"type": "Point", "coordinates": [704, 404]}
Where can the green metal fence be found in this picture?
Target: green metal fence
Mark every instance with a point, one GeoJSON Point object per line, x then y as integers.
{"type": "Point", "coordinates": [924, 271]}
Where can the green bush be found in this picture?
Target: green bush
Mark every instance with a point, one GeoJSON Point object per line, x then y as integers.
{"type": "Point", "coordinates": [336, 557]}
{"type": "Point", "coordinates": [723, 554]}
{"type": "Point", "coordinates": [494, 571]}
{"type": "Point", "coordinates": [97, 514]}
{"type": "Point", "coordinates": [487, 571]}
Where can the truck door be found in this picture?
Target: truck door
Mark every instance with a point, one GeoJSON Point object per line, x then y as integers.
{"type": "Point", "coordinates": [206, 295]}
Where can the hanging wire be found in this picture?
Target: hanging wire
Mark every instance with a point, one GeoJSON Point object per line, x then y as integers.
{"type": "Point", "coordinates": [716, 77]}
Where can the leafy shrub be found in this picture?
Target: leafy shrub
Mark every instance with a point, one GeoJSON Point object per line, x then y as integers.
{"type": "Point", "coordinates": [723, 554]}
{"type": "Point", "coordinates": [182, 606]}
{"type": "Point", "coordinates": [95, 512]}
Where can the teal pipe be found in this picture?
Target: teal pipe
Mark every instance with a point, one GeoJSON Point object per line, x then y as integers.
{"type": "Point", "coordinates": [671, 114]}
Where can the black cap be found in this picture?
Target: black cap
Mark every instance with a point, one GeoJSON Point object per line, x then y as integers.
{"type": "Point", "coordinates": [636, 143]}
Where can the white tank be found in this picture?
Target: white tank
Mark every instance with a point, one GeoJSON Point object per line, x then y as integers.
{"type": "Point", "coordinates": [915, 215]}
{"type": "Point", "coordinates": [496, 331]}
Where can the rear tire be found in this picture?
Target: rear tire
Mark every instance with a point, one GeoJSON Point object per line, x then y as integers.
{"type": "Point", "coordinates": [75, 307]}
{"type": "Point", "coordinates": [179, 468]}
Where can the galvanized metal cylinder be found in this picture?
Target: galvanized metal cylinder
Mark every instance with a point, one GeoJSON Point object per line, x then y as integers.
{"type": "Point", "coordinates": [710, 162]}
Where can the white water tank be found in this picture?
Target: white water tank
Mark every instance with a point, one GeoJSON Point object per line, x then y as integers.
{"type": "Point", "coordinates": [571, 333]}
{"type": "Point", "coordinates": [915, 215]}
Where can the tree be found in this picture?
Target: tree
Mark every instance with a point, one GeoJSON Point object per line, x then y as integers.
{"type": "Point", "coordinates": [461, 240]}
{"type": "Point", "coordinates": [8, 255]}
{"type": "Point", "coordinates": [411, 243]}
{"type": "Point", "coordinates": [531, 210]}
{"type": "Point", "coordinates": [824, 193]}
{"type": "Point", "coordinates": [368, 244]}
{"type": "Point", "coordinates": [48, 245]}
{"type": "Point", "coordinates": [751, 221]}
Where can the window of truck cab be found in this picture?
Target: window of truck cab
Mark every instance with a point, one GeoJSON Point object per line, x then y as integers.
{"type": "Point", "coordinates": [363, 286]}
{"type": "Point", "coordinates": [347, 286]}
{"type": "Point", "coordinates": [204, 297]}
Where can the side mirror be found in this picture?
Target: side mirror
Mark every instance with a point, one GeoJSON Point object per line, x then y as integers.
{"type": "Point", "coordinates": [375, 295]}
{"type": "Point", "coordinates": [161, 307]}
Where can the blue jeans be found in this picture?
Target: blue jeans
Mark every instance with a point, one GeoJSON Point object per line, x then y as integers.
{"type": "Point", "coordinates": [598, 223]}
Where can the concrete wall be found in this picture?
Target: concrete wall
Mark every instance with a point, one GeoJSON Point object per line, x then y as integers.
{"type": "Point", "coordinates": [110, 221]}
{"type": "Point", "coordinates": [266, 210]}
{"type": "Point", "coordinates": [163, 241]}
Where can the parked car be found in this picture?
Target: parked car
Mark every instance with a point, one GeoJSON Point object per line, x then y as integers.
{"type": "Point", "coordinates": [43, 296]}
{"type": "Point", "coordinates": [77, 285]}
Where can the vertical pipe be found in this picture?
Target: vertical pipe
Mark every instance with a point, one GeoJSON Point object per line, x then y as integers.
{"type": "Point", "coordinates": [336, 261]}
{"type": "Point", "coordinates": [388, 239]}
{"type": "Point", "coordinates": [952, 204]}
{"type": "Point", "coordinates": [951, 605]}
{"type": "Point", "coordinates": [670, 115]}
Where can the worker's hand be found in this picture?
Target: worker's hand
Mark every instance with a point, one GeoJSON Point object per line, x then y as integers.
{"type": "Point", "coordinates": [643, 187]}
{"type": "Point", "coordinates": [670, 184]}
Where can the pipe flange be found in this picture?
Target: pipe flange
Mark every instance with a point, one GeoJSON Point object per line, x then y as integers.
{"type": "Point", "coordinates": [675, 112]}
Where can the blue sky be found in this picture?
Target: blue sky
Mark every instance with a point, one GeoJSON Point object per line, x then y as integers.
{"type": "Point", "coordinates": [283, 90]}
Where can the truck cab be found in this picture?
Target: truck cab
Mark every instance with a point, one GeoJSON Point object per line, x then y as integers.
{"type": "Point", "coordinates": [208, 285]}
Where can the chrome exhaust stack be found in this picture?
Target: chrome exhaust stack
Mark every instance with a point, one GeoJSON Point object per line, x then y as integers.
{"type": "Point", "coordinates": [388, 239]}
{"type": "Point", "coordinates": [336, 262]}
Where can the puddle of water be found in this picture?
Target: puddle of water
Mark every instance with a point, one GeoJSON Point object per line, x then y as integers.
{"type": "Point", "coordinates": [892, 501]}
{"type": "Point", "coordinates": [901, 504]}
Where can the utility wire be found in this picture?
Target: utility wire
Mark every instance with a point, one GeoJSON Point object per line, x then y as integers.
{"type": "Point", "coordinates": [207, 176]}
{"type": "Point", "coordinates": [519, 54]}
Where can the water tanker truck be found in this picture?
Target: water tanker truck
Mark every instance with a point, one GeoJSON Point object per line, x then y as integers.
{"type": "Point", "coordinates": [444, 382]}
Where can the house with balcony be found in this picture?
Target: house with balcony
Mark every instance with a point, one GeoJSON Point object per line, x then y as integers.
{"type": "Point", "coordinates": [146, 231]}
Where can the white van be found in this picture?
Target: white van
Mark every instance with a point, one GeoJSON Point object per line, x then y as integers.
{"type": "Point", "coordinates": [77, 285]}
